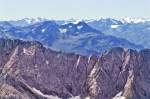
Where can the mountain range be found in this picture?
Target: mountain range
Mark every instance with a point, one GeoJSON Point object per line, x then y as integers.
{"type": "Point", "coordinates": [85, 37]}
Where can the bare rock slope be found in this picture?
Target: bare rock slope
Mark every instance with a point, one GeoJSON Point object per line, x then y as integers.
{"type": "Point", "coordinates": [30, 71]}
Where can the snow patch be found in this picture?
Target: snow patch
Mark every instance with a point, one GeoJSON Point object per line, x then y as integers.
{"type": "Point", "coordinates": [118, 96]}
{"type": "Point", "coordinates": [78, 61]}
{"type": "Point", "coordinates": [47, 62]}
{"type": "Point", "coordinates": [114, 26]}
{"type": "Point", "coordinates": [63, 30]}
{"type": "Point", "coordinates": [87, 98]}
{"type": "Point", "coordinates": [70, 26]}
{"type": "Point", "coordinates": [89, 58]}
{"type": "Point", "coordinates": [77, 97]}
{"type": "Point", "coordinates": [80, 27]}
{"type": "Point", "coordinates": [47, 96]}
{"type": "Point", "coordinates": [121, 97]}
{"type": "Point", "coordinates": [77, 21]}
{"type": "Point", "coordinates": [43, 30]}
{"type": "Point", "coordinates": [28, 21]}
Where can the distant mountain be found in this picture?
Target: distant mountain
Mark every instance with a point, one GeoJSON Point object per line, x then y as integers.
{"type": "Point", "coordinates": [26, 21]}
{"type": "Point", "coordinates": [78, 28]}
{"type": "Point", "coordinates": [72, 37]}
{"type": "Point", "coordinates": [136, 31]}
{"type": "Point", "coordinates": [5, 25]}
{"type": "Point", "coordinates": [104, 24]}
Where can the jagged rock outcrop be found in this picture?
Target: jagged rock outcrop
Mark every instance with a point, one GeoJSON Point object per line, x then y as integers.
{"type": "Point", "coordinates": [30, 71]}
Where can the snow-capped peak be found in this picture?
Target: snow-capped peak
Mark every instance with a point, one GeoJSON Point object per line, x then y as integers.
{"type": "Point", "coordinates": [74, 21]}
{"type": "Point", "coordinates": [133, 20]}
{"type": "Point", "coordinates": [34, 20]}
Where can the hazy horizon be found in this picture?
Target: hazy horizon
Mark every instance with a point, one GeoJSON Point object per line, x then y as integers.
{"type": "Point", "coordinates": [78, 9]}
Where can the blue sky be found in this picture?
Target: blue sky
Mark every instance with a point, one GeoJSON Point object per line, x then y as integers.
{"type": "Point", "coordinates": [66, 9]}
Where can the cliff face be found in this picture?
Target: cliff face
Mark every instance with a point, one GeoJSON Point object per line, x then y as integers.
{"type": "Point", "coordinates": [30, 71]}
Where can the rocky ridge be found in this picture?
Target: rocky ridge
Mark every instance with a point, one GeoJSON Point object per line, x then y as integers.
{"type": "Point", "coordinates": [30, 71]}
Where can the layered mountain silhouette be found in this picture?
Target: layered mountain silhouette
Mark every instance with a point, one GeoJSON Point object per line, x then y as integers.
{"type": "Point", "coordinates": [77, 38]}
{"type": "Point", "coordinates": [74, 59]}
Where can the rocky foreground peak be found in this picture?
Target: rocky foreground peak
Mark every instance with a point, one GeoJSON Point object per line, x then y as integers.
{"type": "Point", "coordinates": [30, 71]}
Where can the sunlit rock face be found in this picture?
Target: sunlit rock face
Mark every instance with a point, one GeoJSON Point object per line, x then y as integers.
{"type": "Point", "coordinates": [30, 71]}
